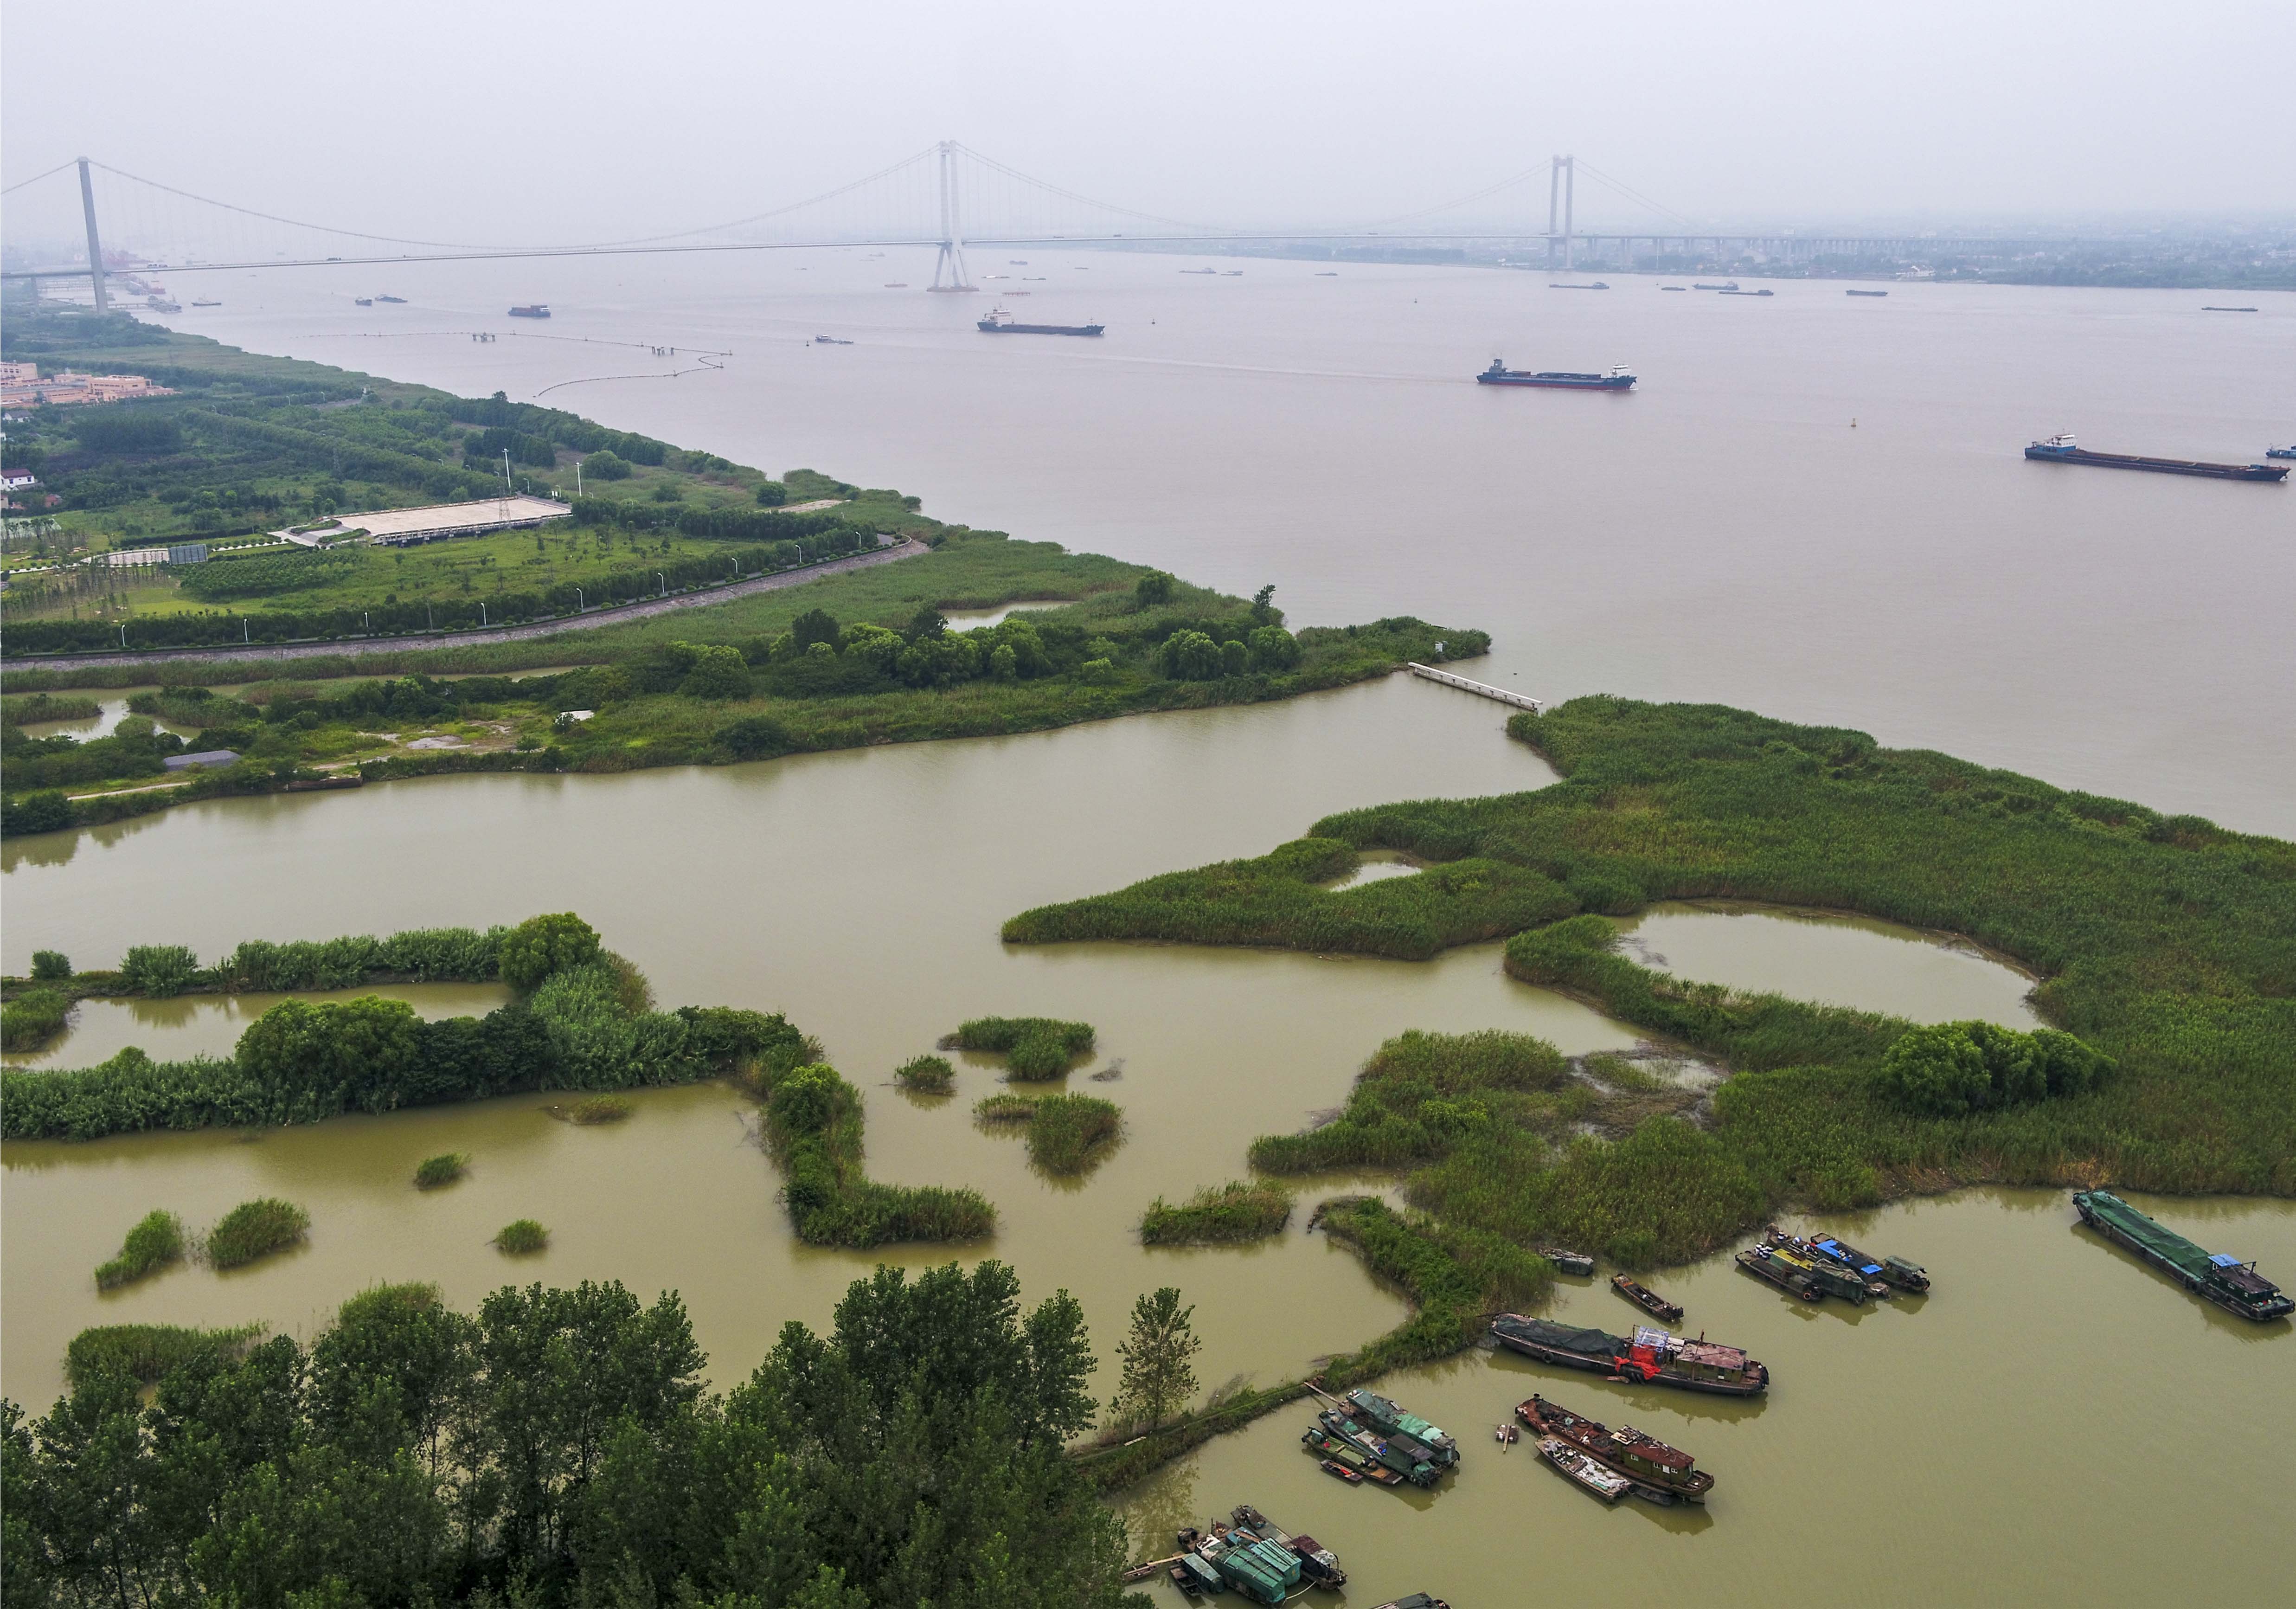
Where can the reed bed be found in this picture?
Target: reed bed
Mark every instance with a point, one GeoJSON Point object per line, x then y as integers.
{"type": "Point", "coordinates": [1065, 1132]}
{"type": "Point", "coordinates": [1034, 1048]}
{"type": "Point", "coordinates": [926, 1075]}
{"type": "Point", "coordinates": [522, 1237]}
{"type": "Point", "coordinates": [1218, 1215]}
{"type": "Point", "coordinates": [157, 1241]}
{"type": "Point", "coordinates": [436, 1172]}
{"type": "Point", "coordinates": [256, 1229]}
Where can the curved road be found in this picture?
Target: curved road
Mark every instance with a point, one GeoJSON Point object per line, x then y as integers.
{"type": "Point", "coordinates": [596, 617]}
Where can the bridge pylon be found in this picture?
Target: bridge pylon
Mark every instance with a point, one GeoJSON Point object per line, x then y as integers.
{"type": "Point", "coordinates": [948, 267]}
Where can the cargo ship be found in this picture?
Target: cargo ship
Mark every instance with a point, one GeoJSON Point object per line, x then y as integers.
{"type": "Point", "coordinates": [2060, 449]}
{"type": "Point", "coordinates": [1866, 293]}
{"type": "Point", "coordinates": [1618, 377]}
{"type": "Point", "coordinates": [532, 310]}
{"type": "Point", "coordinates": [1652, 1357]}
{"type": "Point", "coordinates": [1001, 322]}
{"type": "Point", "coordinates": [2231, 1284]}
{"type": "Point", "coordinates": [1699, 285]}
{"type": "Point", "coordinates": [1668, 1471]}
{"type": "Point", "coordinates": [2269, 452]}
{"type": "Point", "coordinates": [1592, 285]}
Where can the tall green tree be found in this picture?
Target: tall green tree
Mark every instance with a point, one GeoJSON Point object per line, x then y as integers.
{"type": "Point", "coordinates": [1159, 1359]}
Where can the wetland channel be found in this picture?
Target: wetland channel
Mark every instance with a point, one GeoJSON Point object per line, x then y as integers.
{"type": "Point", "coordinates": [2050, 1388]}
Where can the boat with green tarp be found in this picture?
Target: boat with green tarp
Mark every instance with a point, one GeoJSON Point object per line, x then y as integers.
{"type": "Point", "coordinates": [2216, 1276]}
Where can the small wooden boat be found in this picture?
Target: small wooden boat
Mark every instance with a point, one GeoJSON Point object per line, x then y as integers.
{"type": "Point", "coordinates": [1646, 1299]}
{"type": "Point", "coordinates": [1590, 1475]}
{"type": "Point", "coordinates": [1185, 1581]}
{"type": "Point", "coordinates": [1504, 1434]}
{"type": "Point", "coordinates": [1568, 1262]}
{"type": "Point", "coordinates": [1341, 1471]}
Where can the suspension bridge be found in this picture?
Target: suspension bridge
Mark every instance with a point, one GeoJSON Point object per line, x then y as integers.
{"type": "Point", "coordinates": [947, 197]}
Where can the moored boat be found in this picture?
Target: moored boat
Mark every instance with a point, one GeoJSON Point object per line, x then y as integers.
{"type": "Point", "coordinates": [1833, 1275]}
{"type": "Point", "coordinates": [1888, 1270]}
{"type": "Point", "coordinates": [1868, 292]}
{"type": "Point", "coordinates": [1651, 1356]}
{"type": "Point", "coordinates": [1337, 1449]}
{"type": "Point", "coordinates": [1634, 1291]}
{"type": "Point", "coordinates": [1397, 1454]}
{"type": "Point", "coordinates": [1333, 1467]}
{"type": "Point", "coordinates": [2225, 1280]}
{"type": "Point", "coordinates": [1319, 1566]}
{"type": "Point", "coordinates": [1590, 1475]}
{"type": "Point", "coordinates": [1568, 1262]}
{"type": "Point", "coordinates": [1647, 1460]}
{"type": "Point", "coordinates": [1758, 1261]}
{"type": "Point", "coordinates": [1391, 1419]}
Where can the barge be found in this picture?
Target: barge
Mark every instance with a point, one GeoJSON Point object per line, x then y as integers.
{"type": "Point", "coordinates": [1657, 1306]}
{"type": "Point", "coordinates": [1758, 1261]}
{"type": "Point", "coordinates": [1001, 322]}
{"type": "Point", "coordinates": [1398, 1454]}
{"type": "Point", "coordinates": [1319, 1566]}
{"type": "Point", "coordinates": [1668, 1472]}
{"type": "Point", "coordinates": [1833, 1275]}
{"type": "Point", "coordinates": [1391, 1419]}
{"type": "Point", "coordinates": [2061, 449]}
{"type": "Point", "coordinates": [1618, 377]}
{"type": "Point", "coordinates": [1889, 1270]}
{"type": "Point", "coordinates": [2225, 1280]}
{"type": "Point", "coordinates": [1652, 1357]}
{"type": "Point", "coordinates": [532, 310]}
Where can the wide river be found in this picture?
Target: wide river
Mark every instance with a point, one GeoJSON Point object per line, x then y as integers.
{"type": "Point", "coordinates": [2054, 1425]}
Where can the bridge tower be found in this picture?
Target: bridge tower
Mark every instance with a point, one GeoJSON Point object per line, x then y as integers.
{"type": "Point", "coordinates": [94, 242]}
{"type": "Point", "coordinates": [948, 268]}
{"type": "Point", "coordinates": [1561, 190]}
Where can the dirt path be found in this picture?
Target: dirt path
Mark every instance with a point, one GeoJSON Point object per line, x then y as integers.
{"type": "Point", "coordinates": [596, 617]}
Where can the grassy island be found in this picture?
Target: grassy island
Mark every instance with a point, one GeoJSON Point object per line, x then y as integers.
{"type": "Point", "coordinates": [812, 1126]}
{"type": "Point", "coordinates": [2167, 947]}
{"type": "Point", "coordinates": [1067, 1133]}
{"type": "Point", "coordinates": [1216, 1215]}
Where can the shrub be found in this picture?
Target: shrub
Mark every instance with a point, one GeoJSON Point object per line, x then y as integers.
{"type": "Point", "coordinates": [1953, 1069]}
{"type": "Point", "coordinates": [540, 946]}
{"type": "Point", "coordinates": [256, 1228]}
{"type": "Point", "coordinates": [152, 1245]}
{"type": "Point", "coordinates": [1216, 1215]}
{"type": "Point", "coordinates": [719, 673]}
{"type": "Point", "coordinates": [159, 970]}
{"type": "Point", "coordinates": [45, 811]}
{"type": "Point", "coordinates": [33, 1018]}
{"type": "Point", "coordinates": [1154, 587]}
{"type": "Point", "coordinates": [928, 1075]}
{"type": "Point", "coordinates": [522, 1237]}
{"type": "Point", "coordinates": [603, 465]}
{"type": "Point", "coordinates": [599, 1109]}
{"type": "Point", "coordinates": [51, 966]}
{"type": "Point", "coordinates": [443, 1170]}
{"type": "Point", "coordinates": [755, 737]}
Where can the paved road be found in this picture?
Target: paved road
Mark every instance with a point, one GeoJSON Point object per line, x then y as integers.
{"type": "Point", "coordinates": [495, 634]}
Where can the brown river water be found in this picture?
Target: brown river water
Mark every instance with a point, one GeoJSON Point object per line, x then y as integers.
{"type": "Point", "coordinates": [2054, 1424]}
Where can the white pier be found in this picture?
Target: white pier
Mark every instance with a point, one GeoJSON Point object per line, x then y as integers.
{"type": "Point", "coordinates": [1520, 700]}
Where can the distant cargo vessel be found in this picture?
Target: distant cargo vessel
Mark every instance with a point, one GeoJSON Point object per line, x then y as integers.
{"type": "Point", "coordinates": [2269, 452]}
{"type": "Point", "coordinates": [1618, 377]}
{"type": "Point", "coordinates": [401, 300]}
{"type": "Point", "coordinates": [1594, 285]}
{"type": "Point", "coordinates": [1697, 285]}
{"type": "Point", "coordinates": [1738, 292]}
{"type": "Point", "coordinates": [2060, 449]}
{"type": "Point", "coordinates": [1868, 293]}
{"type": "Point", "coordinates": [1001, 322]}
{"type": "Point", "coordinates": [532, 310]}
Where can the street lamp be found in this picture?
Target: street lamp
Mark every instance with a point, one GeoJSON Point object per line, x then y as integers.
{"type": "Point", "coordinates": [581, 602]}
{"type": "Point", "coordinates": [665, 584]}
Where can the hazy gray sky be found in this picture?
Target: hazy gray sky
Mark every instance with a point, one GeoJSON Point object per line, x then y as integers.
{"type": "Point", "coordinates": [580, 121]}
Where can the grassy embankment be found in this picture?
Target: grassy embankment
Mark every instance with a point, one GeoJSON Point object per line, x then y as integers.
{"type": "Point", "coordinates": [2166, 943]}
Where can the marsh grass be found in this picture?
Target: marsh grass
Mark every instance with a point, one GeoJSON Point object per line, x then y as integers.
{"type": "Point", "coordinates": [1034, 1048]}
{"type": "Point", "coordinates": [926, 1075]}
{"type": "Point", "coordinates": [522, 1237]}
{"type": "Point", "coordinates": [34, 1018]}
{"type": "Point", "coordinates": [147, 1353]}
{"type": "Point", "coordinates": [256, 1229]}
{"type": "Point", "coordinates": [598, 1109]}
{"type": "Point", "coordinates": [1066, 1133]}
{"type": "Point", "coordinates": [155, 1243]}
{"type": "Point", "coordinates": [436, 1171]}
{"type": "Point", "coordinates": [1218, 1215]}
{"type": "Point", "coordinates": [814, 1127]}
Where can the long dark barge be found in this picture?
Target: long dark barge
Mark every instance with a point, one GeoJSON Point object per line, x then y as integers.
{"type": "Point", "coordinates": [1658, 1471]}
{"type": "Point", "coordinates": [1001, 322]}
{"type": "Point", "coordinates": [2060, 449]}
{"type": "Point", "coordinates": [1652, 1356]}
{"type": "Point", "coordinates": [2225, 1280]}
{"type": "Point", "coordinates": [1618, 377]}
